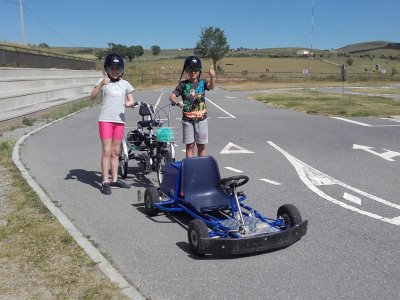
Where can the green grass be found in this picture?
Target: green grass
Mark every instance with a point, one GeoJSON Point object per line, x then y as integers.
{"type": "Point", "coordinates": [39, 259]}
{"type": "Point", "coordinates": [310, 101]}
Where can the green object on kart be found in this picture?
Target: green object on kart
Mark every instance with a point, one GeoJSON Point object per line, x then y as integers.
{"type": "Point", "coordinates": [164, 134]}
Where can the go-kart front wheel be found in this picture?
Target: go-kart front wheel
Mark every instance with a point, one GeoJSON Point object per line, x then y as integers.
{"type": "Point", "coordinates": [290, 215]}
{"type": "Point", "coordinates": [151, 196]}
{"type": "Point", "coordinates": [197, 229]}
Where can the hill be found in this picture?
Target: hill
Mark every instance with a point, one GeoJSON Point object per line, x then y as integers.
{"type": "Point", "coordinates": [362, 48]}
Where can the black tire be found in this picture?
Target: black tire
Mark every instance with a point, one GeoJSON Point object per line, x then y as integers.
{"type": "Point", "coordinates": [197, 229]}
{"type": "Point", "coordinates": [123, 163]}
{"type": "Point", "coordinates": [290, 214]}
{"type": "Point", "coordinates": [161, 163]}
{"type": "Point", "coordinates": [151, 196]}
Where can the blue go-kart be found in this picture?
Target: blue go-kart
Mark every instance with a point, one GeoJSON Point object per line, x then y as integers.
{"type": "Point", "coordinates": [222, 224]}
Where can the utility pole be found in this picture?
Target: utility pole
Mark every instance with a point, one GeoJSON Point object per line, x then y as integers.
{"type": "Point", "coordinates": [21, 20]}
{"type": "Point", "coordinates": [312, 25]}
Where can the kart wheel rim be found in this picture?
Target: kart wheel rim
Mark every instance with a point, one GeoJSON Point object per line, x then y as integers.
{"type": "Point", "coordinates": [194, 238]}
{"type": "Point", "coordinates": [147, 202]}
{"type": "Point", "coordinates": [286, 220]}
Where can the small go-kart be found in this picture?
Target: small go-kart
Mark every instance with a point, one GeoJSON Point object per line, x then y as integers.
{"type": "Point", "coordinates": [151, 144]}
{"type": "Point", "coordinates": [222, 224]}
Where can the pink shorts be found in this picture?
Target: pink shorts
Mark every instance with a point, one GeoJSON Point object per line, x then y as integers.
{"type": "Point", "coordinates": [110, 130]}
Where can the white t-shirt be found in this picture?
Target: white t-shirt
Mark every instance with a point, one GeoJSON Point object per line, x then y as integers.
{"type": "Point", "coordinates": [114, 96]}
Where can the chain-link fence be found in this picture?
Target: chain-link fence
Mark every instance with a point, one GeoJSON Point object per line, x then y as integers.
{"type": "Point", "coordinates": [171, 78]}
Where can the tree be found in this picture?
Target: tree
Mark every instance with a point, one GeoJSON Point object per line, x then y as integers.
{"type": "Point", "coordinates": [43, 45]}
{"type": "Point", "coordinates": [212, 44]}
{"type": "Point", "coordinates": [155, 50]}
{"type": "Point", "coordinates": [349, 61]}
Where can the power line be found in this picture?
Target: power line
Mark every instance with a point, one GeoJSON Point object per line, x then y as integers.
{"type": "Point", "coordinates": [49, 27]}
{"type": "Point", "coordinates": [37, 19]}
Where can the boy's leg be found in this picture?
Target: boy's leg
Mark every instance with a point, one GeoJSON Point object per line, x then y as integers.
{"type": "Point", "coordinates": [201, 150]}
{"type": "Point", "coordinates": [189, 150]}
{"type": "Point", "coordinates": [188, 137]}
{"type": "Point", "coordinates": [201, 136]}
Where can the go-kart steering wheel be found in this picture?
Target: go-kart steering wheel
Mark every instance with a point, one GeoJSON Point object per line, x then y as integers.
{"type": "Point", "coordinates": [233, 182]}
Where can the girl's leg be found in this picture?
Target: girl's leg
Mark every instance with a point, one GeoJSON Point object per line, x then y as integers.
{"type": "Point", "coordinates": [105, 158]}
{"type": "Point", "coordinates": [118, 135]}
{"type": "Point", "coordinates": [115, 149]}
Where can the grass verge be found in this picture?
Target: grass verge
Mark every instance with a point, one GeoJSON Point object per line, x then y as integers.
{"type": "Point", "coordinates": [38, 258]}
{"type": "Point", "coordinates": [310, 101]}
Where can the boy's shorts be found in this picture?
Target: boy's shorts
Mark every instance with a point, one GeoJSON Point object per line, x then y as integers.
{"type": "Point", "coordinates": [195, 131]}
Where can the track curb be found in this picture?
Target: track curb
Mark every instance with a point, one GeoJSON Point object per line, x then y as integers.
{"type": "Point", "coordinates": [105, 266]}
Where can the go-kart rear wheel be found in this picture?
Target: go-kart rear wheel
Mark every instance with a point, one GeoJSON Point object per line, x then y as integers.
{"type": "Point", "coordinates": [123, 160]}
{"type": "Point", "coordinates": [151, 196]}
{"type": "Point", "coordinates": [197, 229]}
{"type": "Point", "coordinates": [290, 215]}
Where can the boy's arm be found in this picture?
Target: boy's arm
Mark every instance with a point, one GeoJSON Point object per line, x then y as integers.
{"type": "Point", "coordinates": [174, 101]}
{"type": "Point", "coordinates": [210, 85]}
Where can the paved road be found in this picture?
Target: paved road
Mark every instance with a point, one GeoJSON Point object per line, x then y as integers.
{"type": "Point", "coordinates": [350, 197]}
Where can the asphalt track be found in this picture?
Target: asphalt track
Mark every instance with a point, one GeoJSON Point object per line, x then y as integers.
{"type": "Point", "coordinates": [342, 175]}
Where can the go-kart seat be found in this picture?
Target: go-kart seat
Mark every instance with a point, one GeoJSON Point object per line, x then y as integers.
{"type": "Point", "coordinates": [200, 176]}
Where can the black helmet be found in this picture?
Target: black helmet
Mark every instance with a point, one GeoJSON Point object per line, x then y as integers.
{"type": "Point", "coordinates": [114, 60]}
{"type": "Point", "coordinates": [192, 61]}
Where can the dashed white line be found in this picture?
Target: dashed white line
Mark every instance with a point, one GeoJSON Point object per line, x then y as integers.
{"type": "Point", "coordinates": [234, 170]}
{"type": "Point", "coordinates": [270, 181]}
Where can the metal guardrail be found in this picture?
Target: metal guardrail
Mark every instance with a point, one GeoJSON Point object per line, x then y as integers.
{"type": "Point", "coordinates": [14, 56]}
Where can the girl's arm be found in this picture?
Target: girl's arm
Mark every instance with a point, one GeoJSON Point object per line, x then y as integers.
{"type": "Point", "coordinates": [97, 88]}
{"type": "Point", "coordinates": [129, 102]}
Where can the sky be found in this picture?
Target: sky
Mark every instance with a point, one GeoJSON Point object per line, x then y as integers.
{"type": "Point", "coordinates": [171, 24]}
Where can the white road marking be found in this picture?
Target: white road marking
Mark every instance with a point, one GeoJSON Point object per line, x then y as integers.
{"type": "Point", "coordinates": [234, 170]}
{"type": "Point", "coordinates": [396, 220]}
{"type": "Point", "coordinates": [352, 198]}
{"type": "Point", "coordinates": [391, 119]}
{"type": "Point", "coordinates": [270, 181]}
{"type": "Point", "coordinates": [312, 178]}
{"type": "Point", "coordinates": [238, 150]}
{"type": "Point", "coordinates": [230, 97]}
{"type": "Point", "coordinates": [388, 155]}
{"type": "Point", "coordinates": [230, 115]}
{"type": "Point", "coordinates": [159, 99]}
{"type": "Point", "coordinates": [351, 121]}
{"type": "Point", "coordinates": [364, 124]}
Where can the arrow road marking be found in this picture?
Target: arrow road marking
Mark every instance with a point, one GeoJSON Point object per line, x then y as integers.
{"type": "Point", "coordinates": [312, 178]}
{"type": "Point", "coordinates": [388, 155]}
{"type": "Point", "coordinates": [238, 150]}
{"type": "Point", "coordinates": [352, 198]}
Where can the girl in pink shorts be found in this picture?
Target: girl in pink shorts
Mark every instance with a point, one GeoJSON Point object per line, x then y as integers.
{"type": "Point", "coordinates": [116, 95]}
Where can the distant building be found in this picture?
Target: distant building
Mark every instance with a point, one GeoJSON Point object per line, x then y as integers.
{"type": "Point", "coordinates": [303, 52]}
